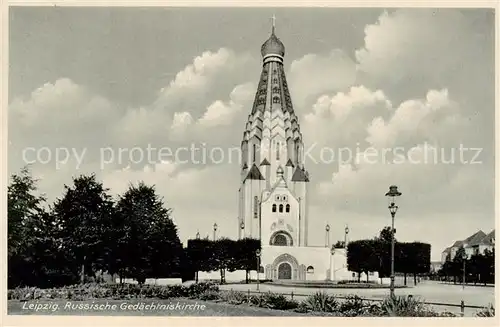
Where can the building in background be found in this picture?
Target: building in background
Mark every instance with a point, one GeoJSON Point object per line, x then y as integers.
{"type": "Point", "coordinates": [477, 243]}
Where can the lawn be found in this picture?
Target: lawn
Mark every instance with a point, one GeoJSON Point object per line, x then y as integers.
{"type": "Point", "coordinates": [171, 307]}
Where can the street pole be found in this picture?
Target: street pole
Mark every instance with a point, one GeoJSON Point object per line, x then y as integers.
{"type": "Point", "coordinates": [392, 254]}
{"type": "Point", "coordinates": [331, 267]}
{"type": "Point", "coordinates": [258, 269]}
{"type": "Point", "coordinates": [393, 208]}
{"type": "Point", "coordinates": [463, 277]}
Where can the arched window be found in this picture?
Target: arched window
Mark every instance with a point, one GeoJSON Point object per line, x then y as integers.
{"type": "Point", "coordinates": [278, 145]}
{"type": "Point", "coordinates": [310, 270]}
{"type": "Point", "coordinates": [287, 208]}
{"type": "Point", "coordinates": [274, 207]}
{"type": "Point", "coordinates": [276, 100]}
{"type": "Point", "coordinates": [275, 80]}
{"type": "Point", "coordinates": [261, 269]}
{"type": "Point", "coordinates": [281, 208]}
{"type": "Point", "coordinates": [276, 89]}
{"type": "Point", "coordinates": [280, 240]}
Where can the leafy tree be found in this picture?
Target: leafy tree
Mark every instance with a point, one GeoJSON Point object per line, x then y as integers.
{"type": "Point", "coordinates": [246, 255]}
{"type": "Point", "coordinates": [362, 256]}
{"type": "Point", "coordinates": [23, 205]}
{"type": "Point", "coordinates": [199, 253]}
{"type": "Point", "coordinates": [386, 234]}
{"type": "Point", "coordinates": [85, 214]}
{"type": "Point", "coordinates": [146, 243]}
{"type": "Point", "coordinates": [458, 263]}
{"type": "Point", "coordinates": [224, 256]}
{"type": "Point", "coordinates": [145, 237]}
{"type": "Point", "coordinates": [339, 245]}
{"type": "Point", "coordinates": [34, 250]}
{"type": "Point", "coordinates": [422, 259]}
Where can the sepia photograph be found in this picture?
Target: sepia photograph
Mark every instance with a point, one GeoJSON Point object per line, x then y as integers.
{"type": "Point", "coordinates": [250, 161]}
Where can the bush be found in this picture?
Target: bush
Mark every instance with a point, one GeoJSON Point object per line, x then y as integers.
{"type": "Point", "coordinates": [233, 297]}
{"type": "Point", "coordinates": [195, 290]}
{"type": "Point", "coordinates": [488, 311]}
{"type": "Point", "coordinates": [319, 302]}
{"type": "Point", "coordinates": [405, 306]}
{"type": "Point", "coordinates": [348, 281]}
{"type": "Point", "coordinates": [277, 302]}
{"type": "Point", "coordinates": [209, 295]}
{"type": "Point", "coordinates": [352, 305]}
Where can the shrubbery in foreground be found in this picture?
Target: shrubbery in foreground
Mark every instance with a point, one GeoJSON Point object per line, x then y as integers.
{"type": "Point", "coordinates": [316, 304]}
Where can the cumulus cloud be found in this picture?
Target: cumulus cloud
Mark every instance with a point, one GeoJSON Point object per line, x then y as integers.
{"type": "Point", "coordinates": [188, 191]}
{"type": "Point", "coordinates": [315, 74]}
{"type": "Point", "coordinates": [340, 120]}
{"type": "Point", "coordinates": [422, 79]}
{"type": "Point", "coordinates": [220, 113]}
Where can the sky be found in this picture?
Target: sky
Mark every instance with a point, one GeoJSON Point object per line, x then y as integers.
{"type": "Point", "coordinates": [92, 89]}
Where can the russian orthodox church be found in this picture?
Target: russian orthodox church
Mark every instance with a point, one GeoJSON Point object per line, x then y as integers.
{"type": "Point", "coordinates": [273, 199]}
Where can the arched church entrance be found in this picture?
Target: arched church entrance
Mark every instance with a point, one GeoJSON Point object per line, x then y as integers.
{"type": "Point", "coordinates": [284, 271]}
{"type": "Point", "coordinates": [286, 266]}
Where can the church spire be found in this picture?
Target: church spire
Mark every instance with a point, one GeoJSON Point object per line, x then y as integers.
{"type": "Point", "coordinates": [272, 123]}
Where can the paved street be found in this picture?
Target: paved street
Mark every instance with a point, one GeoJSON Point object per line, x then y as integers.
{"type": "Point", "coordinates": [429, 291]}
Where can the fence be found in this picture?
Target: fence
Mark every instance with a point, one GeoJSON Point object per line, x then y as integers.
{"type": "Point", "coordinates": [462, 305]}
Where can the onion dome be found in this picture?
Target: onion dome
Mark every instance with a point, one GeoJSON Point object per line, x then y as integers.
{"type": "Point", "coordinates": [273, 46]}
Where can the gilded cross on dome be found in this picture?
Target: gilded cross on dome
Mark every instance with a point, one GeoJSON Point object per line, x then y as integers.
{"type": "Point", "coordinates": [274, 22]}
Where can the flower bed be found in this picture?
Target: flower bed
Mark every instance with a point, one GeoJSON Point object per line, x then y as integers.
{"type": "Point", "coordinates": [319, 303]}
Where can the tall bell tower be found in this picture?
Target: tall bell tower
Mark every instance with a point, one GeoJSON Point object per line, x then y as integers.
{"type": "Point", "coordinates": [273, 157]}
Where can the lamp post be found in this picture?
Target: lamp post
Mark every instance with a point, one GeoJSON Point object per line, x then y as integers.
{"type": "Point", "coordinates": [464, 258]}
{"type": "Point", "coordinates": [215, 230]}
{"type": "Point", "coordinates": [327, 236]}
{"type": "Point", "coordinates": [332, 266]}
{"type": "Point", "coordinates": [393, 208]}
{"type": "Point", "coordinates": [346, 230]}
{"type": "Point", "coordinates": [242, 229]}
{"type": "Point", "coordinates": [197, 237]}
{"type": "Point", "coordinates": [257, 254]}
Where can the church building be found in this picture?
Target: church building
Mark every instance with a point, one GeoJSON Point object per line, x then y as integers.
{"type": "Point", "coordinates": [273, 194]}
{"type": "Point", "coordinates": [273, 191]}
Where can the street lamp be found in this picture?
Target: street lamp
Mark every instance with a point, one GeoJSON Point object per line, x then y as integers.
{"type": "Point", "coordinates": [332, 267]}
{"type": "Point", "coordinates": [464, 258]}
{"type": "Point", "coordinates": [257, 254]}
{"type": "Point", "coordinates": [327, 236]}
{"type": "Point", "coordinates": [242, 228]}
{"type": "Point", "coordinates": [393, 208]}
{"type": "Point", "coordinates": [345, 236]}
{"type": "Point", "coordinates": [215, 230]}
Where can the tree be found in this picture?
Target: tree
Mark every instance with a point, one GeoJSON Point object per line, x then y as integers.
{"type": "Point", "coordinates": [386, 234]}
{"type": "Point", "coordinates": [458, 263]}
{"type": "Point", "coordinates": [362, 256]}
{"type": "Point", "coordinates": [224, 256]}
{"type": "Point", "coordinates": [246, 255]}
{"type": "Point", "coordinates": [145, 237]}
{"type": "Point", "coordinates": [199, 253]}
{"type": "Point", "coordinates": [339, 245]}
{"type": "Point", "coordinates": [22, 206]}
{"type": "Point", "coordinates": [85, 214]}
{"type": "Point", "coordinates": [422, 260]}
